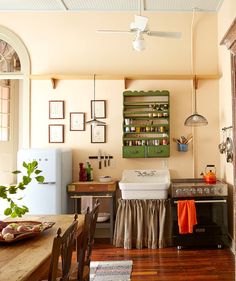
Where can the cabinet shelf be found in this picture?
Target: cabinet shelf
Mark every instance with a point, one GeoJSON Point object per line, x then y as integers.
{"type": "Point", "coordinates": [128, 112]}
{"type": "Point", "coordinates": [145, 118]}
{"type": "Point", "coordinates": [147, 125]}
{"type": "Point", "coordinates": [145, 135]}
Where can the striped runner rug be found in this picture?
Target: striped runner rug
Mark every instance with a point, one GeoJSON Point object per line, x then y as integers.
{"type": "Point", "coordinates": [110, 270]}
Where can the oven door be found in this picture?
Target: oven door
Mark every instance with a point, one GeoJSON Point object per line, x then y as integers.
{"type": "Point", "coordinates": [212, 226]}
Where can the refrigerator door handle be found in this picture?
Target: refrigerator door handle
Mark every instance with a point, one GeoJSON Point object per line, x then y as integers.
{"type": "Point", "coordinates": [47, 182]}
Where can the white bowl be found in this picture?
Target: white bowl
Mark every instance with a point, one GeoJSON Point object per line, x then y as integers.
{"type": "Point", "coordinates": [105, 178]}
{"type": "Point", "coordinates": [103, 217]}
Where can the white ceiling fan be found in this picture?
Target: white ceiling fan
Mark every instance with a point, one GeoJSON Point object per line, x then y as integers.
{"type": "Point", "coordinates": [140, 27]}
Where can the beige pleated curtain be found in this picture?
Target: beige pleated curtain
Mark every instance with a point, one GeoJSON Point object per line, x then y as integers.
{"type": "Point", "coordinates": [143, 223]}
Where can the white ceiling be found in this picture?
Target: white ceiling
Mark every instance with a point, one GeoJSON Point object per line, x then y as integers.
{"type": "Point", "coordinates": [110, 5]}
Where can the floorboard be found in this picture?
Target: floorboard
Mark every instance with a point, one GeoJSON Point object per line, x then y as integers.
{"type": "Point", "coordinates": [171, 264]}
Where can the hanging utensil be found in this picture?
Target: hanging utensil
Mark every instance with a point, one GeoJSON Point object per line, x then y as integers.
{"type": "Point", "coordinates": [105, 159]}
{"type": "Point", "coordinates": [99, 160]}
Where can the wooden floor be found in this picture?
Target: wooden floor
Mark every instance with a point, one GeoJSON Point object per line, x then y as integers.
{"type": "Point", "coordinates": [171, 264]}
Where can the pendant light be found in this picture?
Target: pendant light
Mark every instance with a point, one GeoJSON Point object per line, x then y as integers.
{"type": "Point", "coordinates": [195, 119]}
{"type": "Point", "coordinates": [94, 121]}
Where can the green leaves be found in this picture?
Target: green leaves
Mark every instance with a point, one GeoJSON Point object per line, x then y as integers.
{"type": "Point", "coordinates": [7, 211]}
{"type": "Point", "coordinates": [6, 191]}
{"type": "Point", "coordinates": [40, 179]}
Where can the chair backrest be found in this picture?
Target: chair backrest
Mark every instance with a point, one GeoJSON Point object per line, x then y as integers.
{"type": "Point", "coordinates": [63, 248]}
{"type": "Point", "coordinates": [86, 239]}
{"type": "Point", "coordinates": [92, 228]}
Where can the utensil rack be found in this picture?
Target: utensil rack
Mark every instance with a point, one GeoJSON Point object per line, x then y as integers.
{"type": "Point", "coordinates": [227, 128]}
{"type": "Point", "coordinates": [102, 157]}
{"type": "Point", "coordinates": [226, 146]}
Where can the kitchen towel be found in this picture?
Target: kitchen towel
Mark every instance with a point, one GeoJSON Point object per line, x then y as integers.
{"type": "Point", "coordinates": [187, 216]}
{"type": "Point", "coordinates": [86, 201]}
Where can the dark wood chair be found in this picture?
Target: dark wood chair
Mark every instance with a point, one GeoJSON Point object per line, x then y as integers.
{"type": "Point", "coordinates": [62, 249]}
{"type": "Point", "coordinates": [85, 243]}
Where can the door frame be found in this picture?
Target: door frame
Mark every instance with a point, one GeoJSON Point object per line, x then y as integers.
{"type": "Point", "coordinates": [24, 100]}
{"type": "Point", "coordinates": [229, 40]}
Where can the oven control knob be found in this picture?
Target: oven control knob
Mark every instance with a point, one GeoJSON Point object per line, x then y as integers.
{"type": "Point", "coordinates": [199, 190]}
{"type": "Point", "coordinates": [207, 190]}
{"type": "Point", "coordinates": [214, 190]}
{"type": "Point", "coordinates": [220, 190]}
{"type": "Point", "coordinates": [193, 191]}
{"type": "Point", "coordinates": [184, 191]}
{"type": "Point", "coordinates": [178, 191]}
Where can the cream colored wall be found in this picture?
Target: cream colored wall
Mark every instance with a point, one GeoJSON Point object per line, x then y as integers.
{"type": "Point", "coordinates": [226, 16]}
{"type": "Point", "coordinates": [77, 96]}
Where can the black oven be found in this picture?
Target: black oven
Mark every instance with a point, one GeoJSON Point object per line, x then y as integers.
{"type": "Point", "coordinates": [211, 210]}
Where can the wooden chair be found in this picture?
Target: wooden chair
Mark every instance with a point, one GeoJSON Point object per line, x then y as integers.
{"type": "Point", "coordinates": [62, 249]}
{"type": "Point", "coordinates": [85, 243]}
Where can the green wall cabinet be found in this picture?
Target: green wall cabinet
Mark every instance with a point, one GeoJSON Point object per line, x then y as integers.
{"type": "Point", "coordinates": [146, 124]}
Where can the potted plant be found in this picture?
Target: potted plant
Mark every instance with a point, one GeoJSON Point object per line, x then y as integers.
{"type": "Point", "coordinates": [8, 192]}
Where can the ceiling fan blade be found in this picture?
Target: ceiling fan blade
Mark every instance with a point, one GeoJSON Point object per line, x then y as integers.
{"type": "Point", "coordinates": [140, 22]}
{"type": "Point", "coordinates": [114, 31]}
{"type": "Point", "coordinates": [164, 34]}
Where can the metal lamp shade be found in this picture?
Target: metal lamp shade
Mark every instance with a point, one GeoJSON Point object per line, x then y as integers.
{"type": "Point", "coordinates": [196, 120]}
{"type": "Point", "coordinates": [95, 122]}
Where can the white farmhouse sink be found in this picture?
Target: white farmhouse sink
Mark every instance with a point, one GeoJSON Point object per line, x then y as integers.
{"type": "Point", "coordinates": [145, 184]}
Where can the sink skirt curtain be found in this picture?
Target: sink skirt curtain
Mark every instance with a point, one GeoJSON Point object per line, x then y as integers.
{"type": "Point", "coordinates": [142, 223]}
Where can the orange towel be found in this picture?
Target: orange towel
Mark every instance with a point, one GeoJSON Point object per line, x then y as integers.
{"type": "Point", "coordinates": [187, 216]}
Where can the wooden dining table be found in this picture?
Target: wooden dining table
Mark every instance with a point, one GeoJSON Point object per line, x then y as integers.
{"type": "Point", "coordinates": [29, 259]}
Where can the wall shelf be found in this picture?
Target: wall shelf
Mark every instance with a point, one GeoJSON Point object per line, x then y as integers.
{"type": "Point", "coordinates": [127, 78]}
{"type": "Point", "coordinates": [146, 124]}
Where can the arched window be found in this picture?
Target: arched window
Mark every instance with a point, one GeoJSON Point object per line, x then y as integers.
{"type": "Point", "coordinates": [9, 62]}
{"type": "Point", "coordinates": [9, 59]}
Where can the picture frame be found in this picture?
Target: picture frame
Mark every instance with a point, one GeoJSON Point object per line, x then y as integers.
{"type": "Point", "coordinates": [56, 109]}
{"type": "Point", "coordinates": [77, 121]}
{"type": "Point", "coordinates": [56, 133]}
{"type": "Point", "coordinates": [98, 134]}
{"type": "Point", "coordinates": [99, 108]}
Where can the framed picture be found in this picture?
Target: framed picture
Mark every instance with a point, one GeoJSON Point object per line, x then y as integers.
{"type": "Point", "coordinates": [77, 121]}
{"type": "Point", "coordinates": [99, 108]}
{"type": "Point", "coordinates": [98, 134]}
{"type": "Point", "coordinates": [56, 109]}
{"type": "Point", "coordinates": [56, 133]}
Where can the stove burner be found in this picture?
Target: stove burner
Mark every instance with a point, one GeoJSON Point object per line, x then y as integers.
{"type": "Point", "coordinates": [197, 188]}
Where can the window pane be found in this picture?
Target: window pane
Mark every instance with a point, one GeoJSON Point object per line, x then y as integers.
{"type": "Point", "coordinates": [5, 106]}
{"type": "Point", "coordinates": [5, 120]}
{"type": "Point", "coordinates": [4, 112]}
{"type": "Point", "coordinates": [5, 134]}
{"type": "Point", "coordinates": [5, 93]}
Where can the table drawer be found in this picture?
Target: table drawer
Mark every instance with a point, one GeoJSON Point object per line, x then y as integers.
{"type": "Point", "coordinates": [91, 187]}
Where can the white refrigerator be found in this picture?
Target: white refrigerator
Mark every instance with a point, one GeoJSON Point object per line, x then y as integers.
{"type": "Point", "coordinates": [51, 196]}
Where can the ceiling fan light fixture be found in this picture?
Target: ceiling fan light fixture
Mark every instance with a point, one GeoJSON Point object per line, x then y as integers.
{"type": "Point", "coordinates": [139, 43]}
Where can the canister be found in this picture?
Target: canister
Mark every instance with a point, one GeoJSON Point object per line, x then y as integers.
{"type": "Point", "coordinates": [164, 141]}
